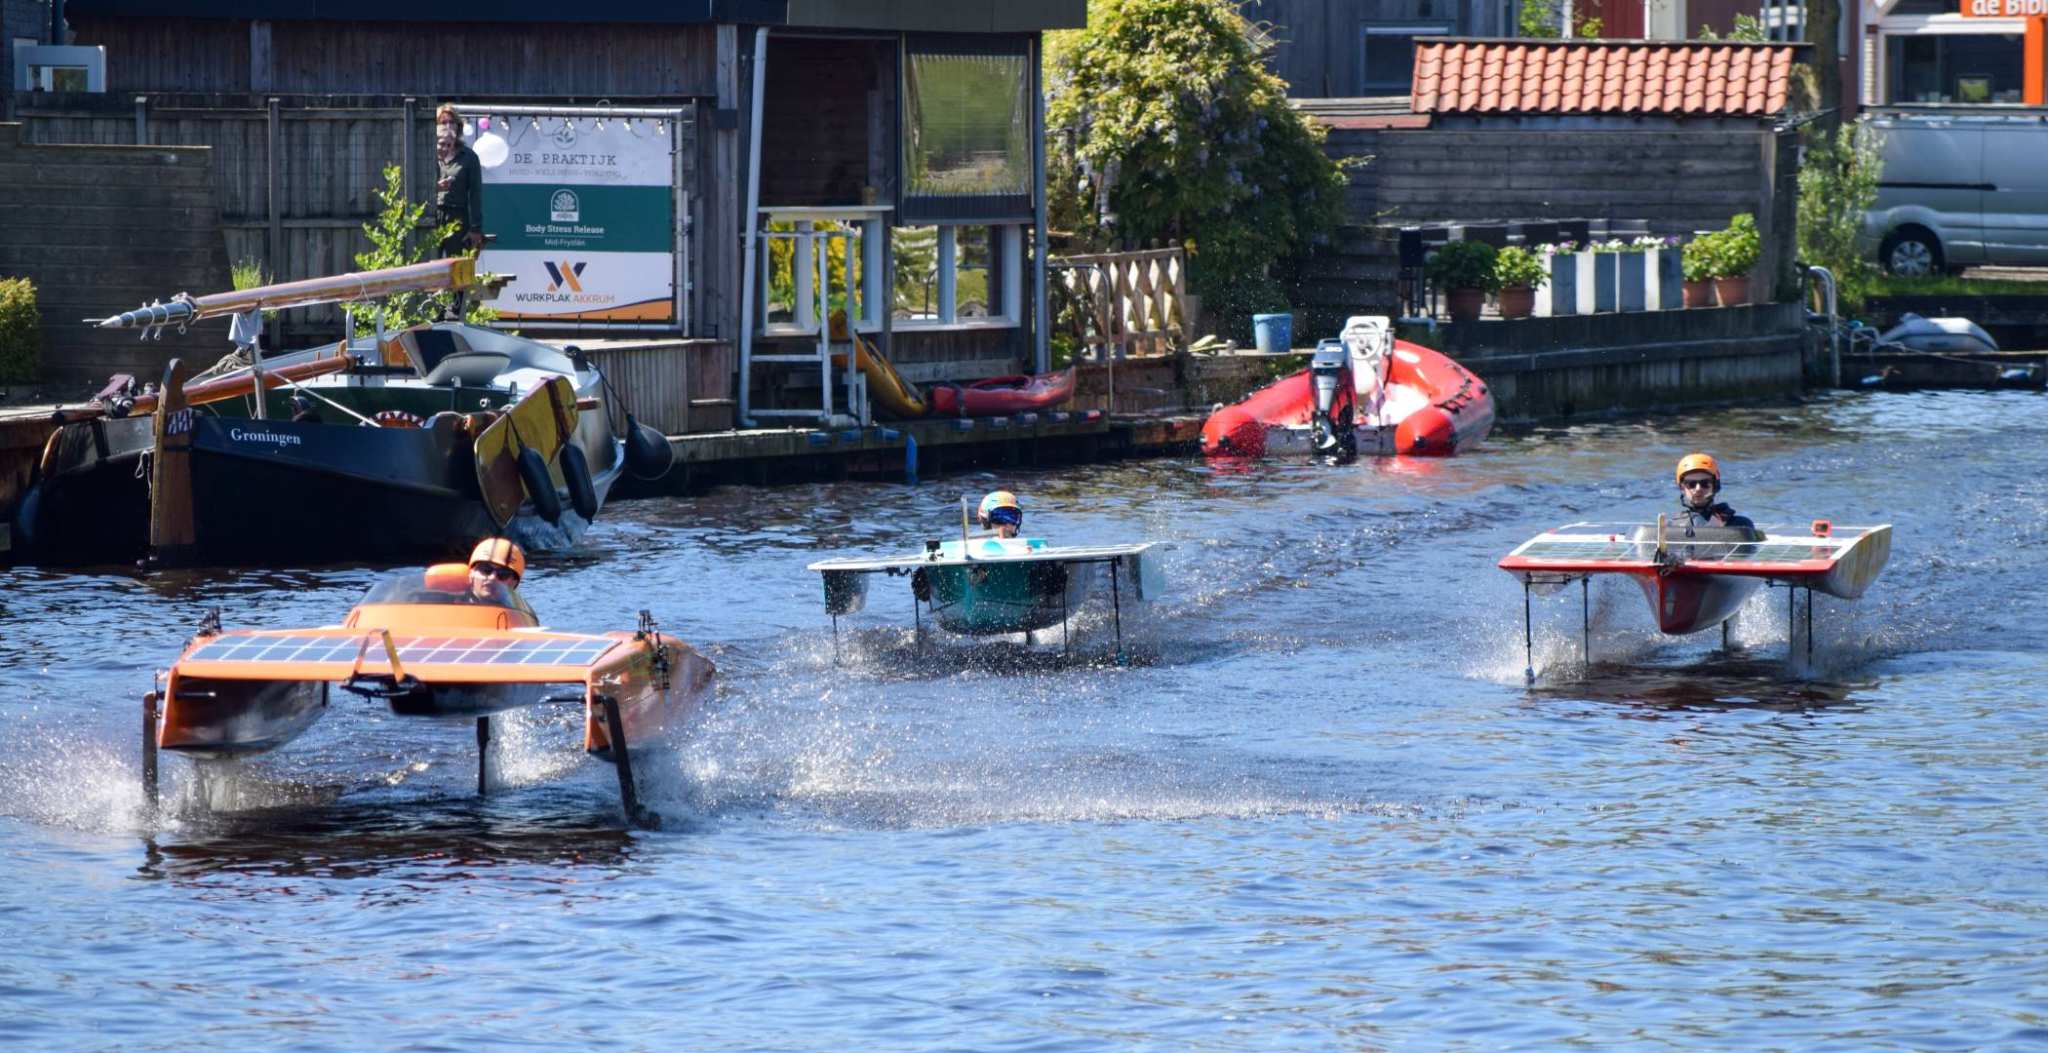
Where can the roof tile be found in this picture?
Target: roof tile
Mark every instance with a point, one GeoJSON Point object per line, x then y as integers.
{"type": "Point", "coordinates": [1601, 76]}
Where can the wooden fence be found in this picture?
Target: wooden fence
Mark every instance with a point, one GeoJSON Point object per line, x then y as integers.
{"type": "Point", "coordinates": [296, 176]}
{"type": "Point", "coordinates": [1355, 272]}
{"type": "Point", "coordinates": [1135, 302]}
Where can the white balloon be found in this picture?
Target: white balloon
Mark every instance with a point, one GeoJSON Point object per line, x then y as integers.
{"type": "Point", "coordinates": [492, 149]}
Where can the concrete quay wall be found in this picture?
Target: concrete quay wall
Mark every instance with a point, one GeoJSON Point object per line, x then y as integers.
{"type": "Point", "coordinates": [1554, 369]}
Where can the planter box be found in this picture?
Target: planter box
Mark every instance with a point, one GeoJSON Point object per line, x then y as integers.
{"type": "Point", "coordinates": [1633, 288]}
{"type": "Point", "coordinates": [1570, 289]}
{"type": "Point", "coordinates": [1667, 280]}
{"type": "Point", "coordinates": [1606, 282]}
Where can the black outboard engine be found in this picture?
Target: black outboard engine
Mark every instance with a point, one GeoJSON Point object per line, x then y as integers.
{"type": "Point", "coordinates": [1332, 434]}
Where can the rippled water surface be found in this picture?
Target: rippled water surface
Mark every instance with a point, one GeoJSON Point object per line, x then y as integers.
{"type": "Point", "coordinates": [1320, 809]}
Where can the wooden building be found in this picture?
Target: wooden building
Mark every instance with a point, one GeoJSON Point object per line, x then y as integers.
{"type": "Point", "coordinates": [1328, 49]}
{"type": "Point", "coordinates": [1679, 136]}
{"type": "Point", "coordinates": [898, 139]}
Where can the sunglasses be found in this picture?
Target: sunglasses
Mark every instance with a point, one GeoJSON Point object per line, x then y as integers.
{"type": "Point", "coordinates": [492, 570]}
{"type": "Point", "coordinates": [1695, 484]}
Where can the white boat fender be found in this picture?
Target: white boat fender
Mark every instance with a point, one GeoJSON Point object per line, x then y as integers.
{"type": "Point", "coordinates": [540, 487]}
{"type": "Point", "coordinates": [576, 475]}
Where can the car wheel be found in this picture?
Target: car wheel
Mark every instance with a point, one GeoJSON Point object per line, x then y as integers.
{"type": "Point", "coordinates": [1911, 254]}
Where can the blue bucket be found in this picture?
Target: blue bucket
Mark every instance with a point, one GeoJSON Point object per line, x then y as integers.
{"type": "Point", "coordinates": [1273, 333]}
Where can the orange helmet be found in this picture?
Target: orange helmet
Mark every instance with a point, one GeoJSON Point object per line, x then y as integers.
{"type": "Point", "coordinates": [1698, 462]}
{"type": "Point", "coordinates": [500, 551]}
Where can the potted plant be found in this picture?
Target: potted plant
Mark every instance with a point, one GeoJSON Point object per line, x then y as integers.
{"type": "Point", "coordinates": [1519, 273]}
{"type": "Point", "coordinates": [1697, 265]}
{"type": "Point", "coordinates": [1464, 271]}
{"type": "Point", "coordinates": [1736, 251]}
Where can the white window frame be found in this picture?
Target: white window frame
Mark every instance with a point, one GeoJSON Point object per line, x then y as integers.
{"type": "Point", "coordinates": [49, 57]}
{"type": "Point", "coordinates": [1006, 257]}
{"type": "Point", "coordinates": [869, 298]}
{"type": "Point", "coordinates": [1365, 32]}
{"type": "Point", "coordinates": [1878, 76]}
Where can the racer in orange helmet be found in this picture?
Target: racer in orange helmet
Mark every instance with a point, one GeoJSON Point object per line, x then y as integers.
{"type": "Point", "coordinates": [496, 565]}
{"type": "Point", "coordinates": [1699, 482]}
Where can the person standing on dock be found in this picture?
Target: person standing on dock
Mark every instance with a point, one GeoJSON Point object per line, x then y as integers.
{"type": "Point", "coordinates": [1699, 482]}
{"type": "Point", "coordinates": [458, 189]}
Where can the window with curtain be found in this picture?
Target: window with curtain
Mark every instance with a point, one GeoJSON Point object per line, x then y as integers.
{"type": "Point", "coordinates": [966, 134]}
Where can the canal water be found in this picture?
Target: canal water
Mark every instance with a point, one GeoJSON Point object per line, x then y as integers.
{"type": "Point", "coordinates": [1320, 808]}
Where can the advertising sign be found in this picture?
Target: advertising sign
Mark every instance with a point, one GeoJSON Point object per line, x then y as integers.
{"type": "Point", "coordinates": [2004, 8]}
{"type": "Point", "coordinates": [582, 210]}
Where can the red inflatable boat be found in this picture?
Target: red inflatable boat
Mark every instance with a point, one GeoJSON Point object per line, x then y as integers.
{"type": "Point", "coordinates": [1381, 395]}
{"type": "Point", "coordinates": [997, 396]}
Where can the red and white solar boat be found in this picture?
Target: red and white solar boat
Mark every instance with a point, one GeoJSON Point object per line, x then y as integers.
{"type": "Point", "coordinates": [428, 644]}
{"type": "Point", "coordinates": [1698, 581]}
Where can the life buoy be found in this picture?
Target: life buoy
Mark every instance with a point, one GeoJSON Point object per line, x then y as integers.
{"type": "Point", "coordinates": [540, 487]}
{"type": "Point", "coordinates": [397, 418]}
{"type": "Point", "coordinates": [576, 473]}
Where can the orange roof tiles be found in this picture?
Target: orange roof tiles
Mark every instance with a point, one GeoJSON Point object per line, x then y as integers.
{"type": "Point", "coordinates": [1635, 77]}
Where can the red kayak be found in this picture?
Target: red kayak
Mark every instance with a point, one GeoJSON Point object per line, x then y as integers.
{"type": "Point", "coordinates": [1404, 399]}
{"type": "Point", "coordinates": [998, 396]}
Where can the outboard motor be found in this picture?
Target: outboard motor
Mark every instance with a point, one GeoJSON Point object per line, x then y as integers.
{"type": "Point", "coordinates": [1331, 432]}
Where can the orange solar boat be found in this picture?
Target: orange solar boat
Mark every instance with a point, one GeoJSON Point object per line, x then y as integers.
{"type": "Point", "coordinates": [429, 645]}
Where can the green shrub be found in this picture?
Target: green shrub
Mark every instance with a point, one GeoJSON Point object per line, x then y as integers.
{"type": "Point", "coordinates": [1837, 183]}
{"type": "Point", "coordinates": [248, 273]}
{"type": "Point", "coordinates": [1747, 28]}
{"type": "Point", "coordinates": [1730, 252]}
{"type": "Point", "coordinates": [1517, 266]}
{"type": "Point", "coordinates": [1464, 265]}
{"type": "Point", "coordinates": [1738, 248]}
{"type": "Point", "coordinates": [1696, 259]}
{"type": "Point", "coordinates": [1163, 124]}
{"type": "Point", "coordinates": [395, 241]}
{"type": "Point", "coordinates": [21, 331]}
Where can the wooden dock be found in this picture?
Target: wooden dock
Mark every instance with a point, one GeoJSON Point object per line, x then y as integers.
{"type": "Point", "coordinates": [1926, 369]}
{"type": "Point", "coordinates": [922, 449]}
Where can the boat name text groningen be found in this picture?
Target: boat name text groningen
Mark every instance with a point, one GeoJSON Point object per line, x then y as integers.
{"type": "Point", "coordinates": [239, 435]}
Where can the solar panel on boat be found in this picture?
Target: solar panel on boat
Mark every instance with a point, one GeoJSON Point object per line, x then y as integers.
{"type": "Point", "coordinates": [425, 650]}
{"type": "Point", "coordinates": [1616, 550]}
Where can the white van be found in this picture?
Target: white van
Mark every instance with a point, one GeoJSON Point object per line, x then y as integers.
{"type": "Point", "coordinates": [1960, 189]}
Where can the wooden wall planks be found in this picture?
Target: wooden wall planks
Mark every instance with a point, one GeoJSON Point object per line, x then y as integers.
{"type": "Point", "coordinates": [330, 158]}
{"type": "Point", "coordinates": [561, 60]}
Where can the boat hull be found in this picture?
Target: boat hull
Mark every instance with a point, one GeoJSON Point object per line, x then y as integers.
{"type": "Point", "coordinates": [213, 719]}
{"type": "Point", "coordinates": [1433, 407]}
{"type": "Point", "coordinates": [270, 490]}
{"type": "Point", "coordinates": [992, 598]}
{"type": "Point", "coordinates": [1001, 395]}
{"type": "Point", "coordinates": [1688, 603]}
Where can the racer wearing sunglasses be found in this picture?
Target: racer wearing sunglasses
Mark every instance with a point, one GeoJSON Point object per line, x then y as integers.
{"type": "Point", "coordinates": [495, 565]}
{"type": "Point", "coordinates": [1699, 482]}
